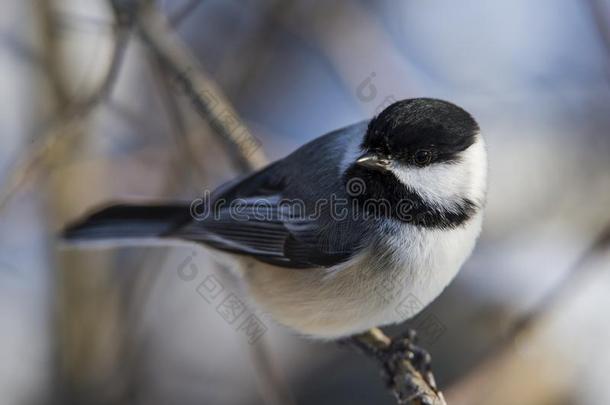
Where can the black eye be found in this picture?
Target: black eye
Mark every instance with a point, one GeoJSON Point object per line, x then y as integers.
{"type": "Point", "coordinates": [422, 157]}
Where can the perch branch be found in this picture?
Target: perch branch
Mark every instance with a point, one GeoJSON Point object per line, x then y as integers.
{"type": "Point", "coordinates": [409, 383]}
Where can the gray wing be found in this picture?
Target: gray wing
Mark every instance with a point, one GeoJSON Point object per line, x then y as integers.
{"type": "Point", "coordinates": [278, 215]}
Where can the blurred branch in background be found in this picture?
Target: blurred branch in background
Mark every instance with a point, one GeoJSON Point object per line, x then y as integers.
{"type": "Point", "coordinates": [599, 13]}
{"type": "Point", "coordinates": [242, 147]}
{"type": "Point", "coordinates": [86, 358]}
{"type": "Point", "coordinates": [464, 390]}
{"type": "Point", "coordinates": [176, 19]}
{"type": "Point", "coordinates": [69, 112]}
{"type": "Point", "coordinates": [179, 129]}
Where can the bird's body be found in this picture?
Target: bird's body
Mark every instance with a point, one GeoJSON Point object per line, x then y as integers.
{"type": "Point", "coordinates": [330, 242]}
{"type": "Point", "coordinates": [368, 290]}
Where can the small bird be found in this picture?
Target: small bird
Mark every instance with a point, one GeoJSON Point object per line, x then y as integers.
{"type": "Point", "coordinates": [362, 227]}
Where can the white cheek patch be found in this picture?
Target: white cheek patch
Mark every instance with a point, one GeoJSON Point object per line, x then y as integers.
{"type": "Point", "coordinates": [443, 183]}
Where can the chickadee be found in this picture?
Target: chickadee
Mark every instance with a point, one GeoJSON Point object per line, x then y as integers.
{"type": "Point", "coordinates": [335, 238]}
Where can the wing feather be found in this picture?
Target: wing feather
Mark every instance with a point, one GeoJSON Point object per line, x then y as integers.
{"type": "Point", "coordinates": [254, 220]}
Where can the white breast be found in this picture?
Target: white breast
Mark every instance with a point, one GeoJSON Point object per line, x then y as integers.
{"type": "Point", "coordinates": [427, 262]}
{"type": "Point", "coordinates": [365, 292]}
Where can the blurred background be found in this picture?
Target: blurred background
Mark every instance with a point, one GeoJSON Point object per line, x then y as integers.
{"type": "Point", "coordinates": [89, 114]}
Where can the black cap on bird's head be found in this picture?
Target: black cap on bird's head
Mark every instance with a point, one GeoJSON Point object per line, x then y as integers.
{"type": "Point", "coordinates": [427, 153]}
{"type": "Point", "coordinates": [417, 132]}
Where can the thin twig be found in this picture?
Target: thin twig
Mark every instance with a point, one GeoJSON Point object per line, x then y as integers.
{"type": "Point", "coordinates": [191, 166]}
{"type": "Point", "coordinates": [408, 383]}
{"type": "Point", "coordinates": [243, 149]}
{"type": "Point", "coordinates": [532, 317]}
{"type": "Point", "coordinates": [51, 54]}
{"type": "Point", "coordinates": [557, 294]}
{"type": "Point", "coordinates": [36, 152]}
{"type": "Point", "coordinates": [179, 16]}
{"type": "Point", "coordinates": [209, 102]}
{"type": "Point", "coordinates": [599, 11]}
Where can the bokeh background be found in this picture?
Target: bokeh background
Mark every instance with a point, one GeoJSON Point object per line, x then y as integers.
{"type": "Point", "coordinates": [526, 321]}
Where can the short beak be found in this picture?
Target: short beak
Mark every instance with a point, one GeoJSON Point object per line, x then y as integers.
{"type": "Point", "coordinates": [374, 162]}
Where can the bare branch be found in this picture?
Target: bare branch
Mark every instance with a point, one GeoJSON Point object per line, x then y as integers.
{"type": "Point", "coordinates": [51, 53]}
{"type": "Point", "coordinates": [410, 383]}
{"type": "Point", "coordinates": [525, 323]}
{"type": "Point", "coordinates": [192, 166]}
{"type": "Point", "coordinates": [176, 19]}
{"type": "Point", "coordinates": [243, 148]}
{"type": "Point", "coordinates": [26, 163]}
{"type": "Point", "coordinates": [599, 11]}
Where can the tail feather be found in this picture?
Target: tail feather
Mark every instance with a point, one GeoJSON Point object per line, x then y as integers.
{"type": "Point", "coordinates": [128, 221]}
